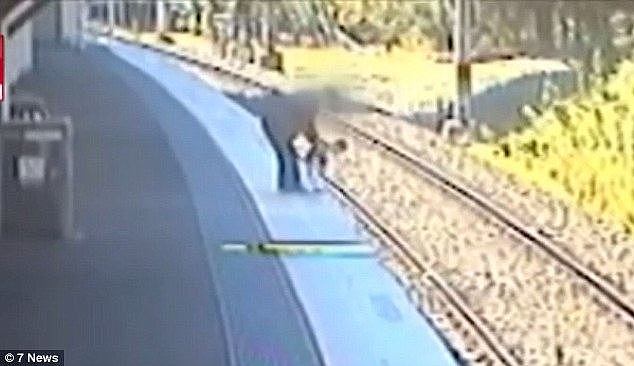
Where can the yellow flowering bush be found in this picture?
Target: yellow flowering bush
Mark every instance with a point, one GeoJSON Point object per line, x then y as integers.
{"type": "Point", "coordinates": [580, 149]}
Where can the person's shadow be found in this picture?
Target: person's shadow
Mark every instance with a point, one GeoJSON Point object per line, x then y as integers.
{"type": "Point", "coordinates": [286, 116]}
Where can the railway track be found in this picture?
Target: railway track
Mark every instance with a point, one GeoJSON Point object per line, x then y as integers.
{"type": "Point", "coordinates": [531, 236]}
{"type": "Point", "coordinates": [409, 261]}
{"type": "Point", "coordinates": [495, 355]}
{"type": "Point", "coordinates": [554, 277]}
{"type": "Point", "coordinates": [618, 304]}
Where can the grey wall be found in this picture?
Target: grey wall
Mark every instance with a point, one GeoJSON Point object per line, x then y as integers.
{"type": "Point", "coordinates": [498, 106]}
{"type": "Point", "coordinates": [45, 22]}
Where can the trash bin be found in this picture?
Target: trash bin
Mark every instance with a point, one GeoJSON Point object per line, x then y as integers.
{"type": "Point", "coordinates": [37, 180]}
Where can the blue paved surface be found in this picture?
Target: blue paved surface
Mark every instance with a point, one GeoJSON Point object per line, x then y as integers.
{"type": "Point", "coordinates": [146, 285]}
{"type": "Point", "coordinates": [135, 288]}
{"type": "Point", "coordinates": [358, 313]}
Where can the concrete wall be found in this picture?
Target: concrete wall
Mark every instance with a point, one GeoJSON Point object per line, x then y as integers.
{"type": "Point", "coordinates": [60, 21]}
{"type": "Point", "coordinates": [70, 15]}
{"type": "Point", "coordinates": [498, 106]}
{"type": "Point", "coordinates": [19, 53]}
{"type": "Point", "coordinates": [57, 20]}
{"type": "Point", "coordinates": [45, 22]}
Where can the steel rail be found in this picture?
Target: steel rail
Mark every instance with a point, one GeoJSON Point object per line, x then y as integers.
{"type": "Point", "coordinates": [399, 247]}
{"type": "Point", "coordinates": [530, 235]}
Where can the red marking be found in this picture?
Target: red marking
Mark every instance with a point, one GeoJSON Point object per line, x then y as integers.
{"type": "Point", "coordinates": [1, 67]}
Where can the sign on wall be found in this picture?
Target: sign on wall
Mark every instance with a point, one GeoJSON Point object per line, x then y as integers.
{"type": "Point", "coordinates": [1, 67]}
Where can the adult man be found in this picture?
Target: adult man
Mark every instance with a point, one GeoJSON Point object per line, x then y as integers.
{"type": "Point", "coordinates": [284, 117]}
{"type": "Point", "coordinates": [287, 117]}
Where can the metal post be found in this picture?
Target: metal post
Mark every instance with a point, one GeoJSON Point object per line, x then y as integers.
{"type": "Point", "coordinates": [103, 6]}
{"type": "Point", "coordinates": [81, 10]}
{"type": "Point", "coordinates": [125, 15]}
{"type": "Point", "coordinates": [110, 16]}
{"type": "Point", "coordinates": [136, 29]}
{"type": "Point", "coordinates": [121, 15]}
{"type": "Point", "coordinates": [205, 19]}
{"type": "Point", "coordinates": [161, 16]}
{"type": "Point", "coordinates": [192, 24]}
{"type": "Point", "coordinates": [265, 30]}
{"type": "Point", "coordinates": [461, 40]}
